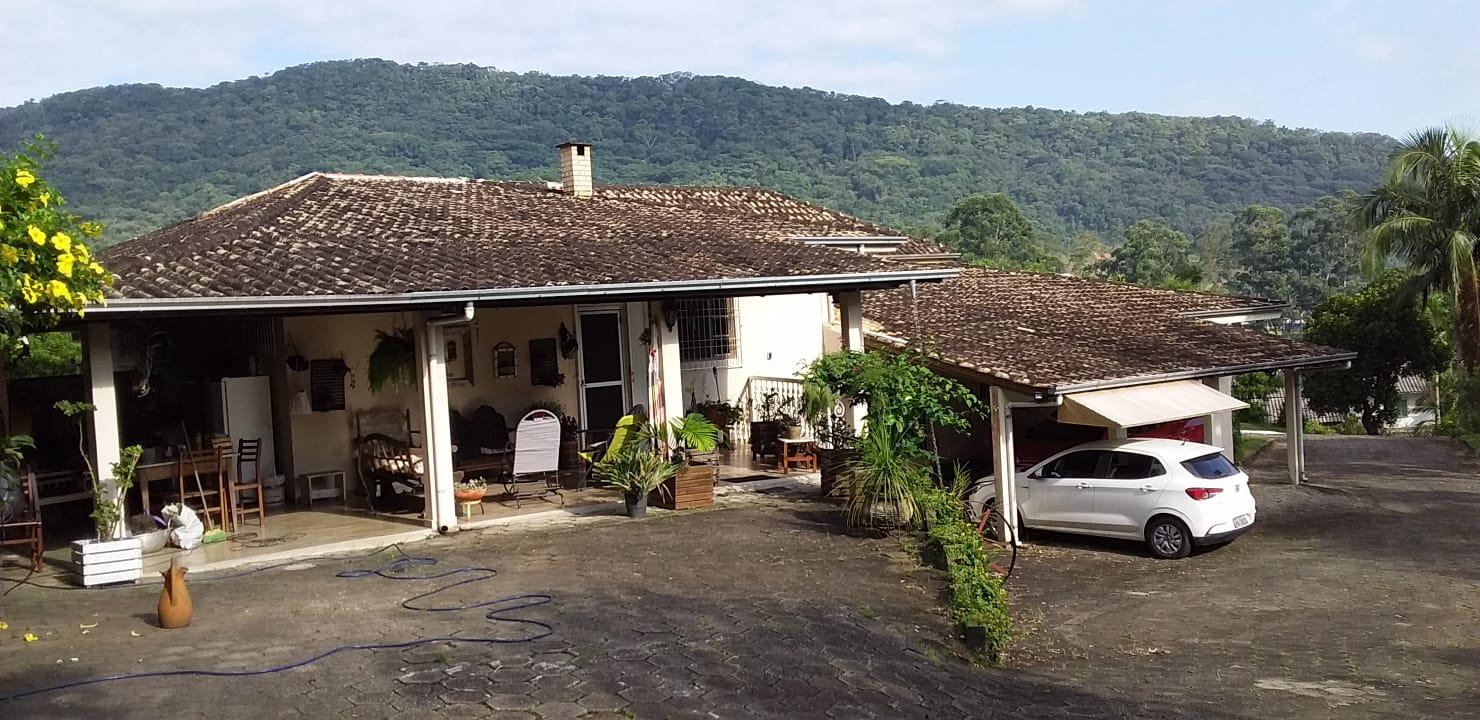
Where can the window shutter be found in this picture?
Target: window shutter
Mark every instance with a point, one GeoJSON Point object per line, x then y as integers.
{"type": "Point", "coordinates": [326, 384]}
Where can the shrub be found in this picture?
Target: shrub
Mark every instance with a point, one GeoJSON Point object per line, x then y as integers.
{"type": "Point", "coordinates": [1314, 428]}
{"type": "Point", "coordinates": [977, 596]}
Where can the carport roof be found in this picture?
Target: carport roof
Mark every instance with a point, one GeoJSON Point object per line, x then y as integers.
{"type": "Point", "coordinates": [1061, 334]}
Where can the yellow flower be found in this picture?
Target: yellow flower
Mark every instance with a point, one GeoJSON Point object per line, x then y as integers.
{"type": "Point", "coordinates": [38, 235]}
{"type": "Point", "coordinates": [9, 255]}
{"type": "Point", "coordinates": [24, 178]}
{"type": "Point", "coordinates": [64, 264]}
{"type": "Point", "coordinates": [82, 253]}
{"type": "Point", "coordinates": [58, 290]}
{"type": "Point", "coordinates": [95, 268]}
{"type": "Point", "coordinates": [62, 241]}
{"type": "Point", "coordinates": [30, 637]}
{"type": "Point", "coordinates": [29, 291]}
{"type": "Point", "coordinates": [45, 199]}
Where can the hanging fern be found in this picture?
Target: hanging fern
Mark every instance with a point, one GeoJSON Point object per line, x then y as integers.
{"type": "Point", "coordinates": [393, 361]}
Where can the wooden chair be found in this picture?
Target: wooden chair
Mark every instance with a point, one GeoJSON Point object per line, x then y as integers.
{"type": "Point", "coordinates": [213, 461]}
{"type": "Point", "coordinates": [248, 453]}
{"type": "Point", "coordinates": [20, 518]}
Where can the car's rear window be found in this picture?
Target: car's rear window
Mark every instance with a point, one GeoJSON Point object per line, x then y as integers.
{"type": "Point", "coordinates": [1211, 467]}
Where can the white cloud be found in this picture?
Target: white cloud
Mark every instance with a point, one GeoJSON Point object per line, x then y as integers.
{"type": "Point", "coordinates": [891, 48]}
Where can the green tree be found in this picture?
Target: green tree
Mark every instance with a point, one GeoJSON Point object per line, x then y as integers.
{"type": "Point", "coordinates": [1426, 214]}
{"type": "Point", "coordinates": [1085, 252]}
{"type": "Point", "coordinates": [991, 230]}
{"type": "Point", "coordinates": [1260, 253]}
{"type": "Point", "coordinates": [1213, 248]}
{"type": "Point", "coordinates": [1325, 250]}
{"type": "Point", "coordinates": [1155, 255]}
{"type": "Point", "coordinates": [1393, 335]}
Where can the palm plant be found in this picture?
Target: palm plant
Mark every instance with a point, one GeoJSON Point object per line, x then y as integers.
{"type": "Point", "coordinates": [883, 481]}
{"type": "Point", "coordinates": [1427, 214]}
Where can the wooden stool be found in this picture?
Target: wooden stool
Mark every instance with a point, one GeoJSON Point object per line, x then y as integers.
{"type": "Point", "coordinates": [467, 508]}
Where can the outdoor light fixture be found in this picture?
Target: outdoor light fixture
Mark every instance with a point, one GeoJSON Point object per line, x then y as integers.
{"type": "Point", "coordinates": [670, 314]}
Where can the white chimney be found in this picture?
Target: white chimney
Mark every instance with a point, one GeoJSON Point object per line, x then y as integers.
{"type": "Point", "coordinates": [575, 168]}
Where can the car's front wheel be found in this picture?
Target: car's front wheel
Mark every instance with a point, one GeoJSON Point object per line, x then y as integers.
{"type": "Point", "coordinates": [1168, 538]}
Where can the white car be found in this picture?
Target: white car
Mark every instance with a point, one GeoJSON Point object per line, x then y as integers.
{"type": "Point", "coordinates": [1169, 493]}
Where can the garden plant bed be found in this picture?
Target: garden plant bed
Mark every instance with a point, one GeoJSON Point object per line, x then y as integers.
{"type": "Point", "coordinates": [691, 487]}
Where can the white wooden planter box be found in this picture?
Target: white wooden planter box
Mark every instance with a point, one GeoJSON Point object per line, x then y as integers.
{"type": "Point", "coordinates": [104, 562]}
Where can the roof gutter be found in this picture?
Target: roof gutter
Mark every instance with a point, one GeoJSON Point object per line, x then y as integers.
{"type": "Point", "coordinates": [1270, 311]}
{"type": "Point", "coordinates": [511, 295]}
{"type": "Point", "coordinates": [1338, 361]}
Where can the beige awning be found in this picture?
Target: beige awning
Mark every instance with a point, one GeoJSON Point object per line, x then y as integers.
{"type": "Point", "coordinates": [1145, 404]}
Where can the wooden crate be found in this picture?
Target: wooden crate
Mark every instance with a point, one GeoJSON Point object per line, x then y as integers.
{"type": "Point", "coordinates": [692, 487]}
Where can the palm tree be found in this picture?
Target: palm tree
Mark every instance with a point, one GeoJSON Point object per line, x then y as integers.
{"type": "Point", "coordinates": [1427, 215]}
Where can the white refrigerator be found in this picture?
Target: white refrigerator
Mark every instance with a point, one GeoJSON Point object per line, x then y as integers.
{"type": "Point", "coordinates": [241, 407]}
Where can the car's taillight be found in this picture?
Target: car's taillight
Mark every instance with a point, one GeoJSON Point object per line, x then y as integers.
{"type": "Point", "coordinates": [1202, 493]}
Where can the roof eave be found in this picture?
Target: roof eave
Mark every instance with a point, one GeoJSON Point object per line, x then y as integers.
{"type": "Point", "coordinates": [493, 296]}
{"type": "Point", "coordinates": [1334, 361]}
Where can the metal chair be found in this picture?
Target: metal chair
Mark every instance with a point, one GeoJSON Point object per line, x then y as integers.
{"type": "Point", "coordinates": [248, 452]}
{"type": "Point", "coordinates": [536, 471]}
{"type": "Point", "coordinates": [20, 514]}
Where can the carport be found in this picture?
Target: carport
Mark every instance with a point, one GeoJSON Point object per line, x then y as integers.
{"type": "Point", "coordinates": [1098, 354]}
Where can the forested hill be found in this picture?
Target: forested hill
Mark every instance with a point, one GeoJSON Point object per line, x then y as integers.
{"type": "Point", "coordinates": [138, 156]}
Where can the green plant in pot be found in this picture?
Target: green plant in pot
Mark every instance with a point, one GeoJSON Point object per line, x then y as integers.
{"type": "Point", "coordinates": [637, 471]}
{"type": "Point", "coordinates": [392, 364]}
{"type": "Point", "coordinates": [693, 436]}
{"type": "Point", "coordinates": [836, 439]}
{"type": "Point", "coordinates": [883, 481]}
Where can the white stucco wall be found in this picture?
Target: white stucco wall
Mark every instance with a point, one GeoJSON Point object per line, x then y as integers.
{"type": "Point", "coordinates": [779, 335]}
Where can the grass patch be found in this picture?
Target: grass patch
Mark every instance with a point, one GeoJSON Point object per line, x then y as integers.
{"type": "Point", "coordinates": [1473, 440]}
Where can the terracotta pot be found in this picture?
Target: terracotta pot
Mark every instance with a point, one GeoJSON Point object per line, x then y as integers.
{"type": "Point", "coordinates": [793, 432]}
{"type": "Point", "coordinates": [468, 495]}
{"type": "Point", "coordinates": [175, 609]}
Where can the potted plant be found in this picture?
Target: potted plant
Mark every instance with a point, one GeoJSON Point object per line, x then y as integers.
{"type": "Point", "coordinates": [883, 480]}
{"type": "Point", "coordinates": [693, 440]}
{"type": "Point", "coordinates": [469, 490]}
{"type": "Point", "coordinates": [774, 421]}
{"type": "Point", "coordinates": [637, 471]}
{"type": "Point", "coordinates": [836, 438]}
{"type": "Point", "coordinates": [114, 555]}
{"type": "Point", "coordinates": [392, 364]}
{"type": "Point", "coordinates": [724, 415]}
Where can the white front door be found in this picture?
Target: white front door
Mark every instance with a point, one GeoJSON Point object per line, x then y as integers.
{"type": "Point", "coordinates": [603, 369]}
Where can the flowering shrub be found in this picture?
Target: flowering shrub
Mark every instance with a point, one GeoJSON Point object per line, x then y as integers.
{"type": "Point", "coordinates": [47, 270]}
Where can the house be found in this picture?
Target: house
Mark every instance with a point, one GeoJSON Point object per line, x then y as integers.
{"type": "Point", "coordinates": [597, 298]}
{"type": "Point", "coordinates": [1416, 406]}
{"type": "Point", "coordinates": [593, 297]}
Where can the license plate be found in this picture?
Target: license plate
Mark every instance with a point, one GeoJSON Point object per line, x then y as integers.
{"type": "Point", "coordinates": [1242, 520]}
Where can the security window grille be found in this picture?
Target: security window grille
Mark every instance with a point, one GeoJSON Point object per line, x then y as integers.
{"type": "Point", "coordinates": [706, 330]}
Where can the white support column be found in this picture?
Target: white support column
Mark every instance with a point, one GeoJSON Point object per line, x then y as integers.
{"type": "Point", "coordinates": [1219, 426]}
{"type": "Point", "coordinates": [850, 311]}
{"type": "Point", "coordinates": [1004, 464]}
{"type": "Point", "coordinates": [105, 439]}
{"type": "Point", "coordinates": [441, 511]}
{"type": "Point", "coordinates": [668, 395]}
{"type": "Point", "coordinates": [1117, 432]}
{"type": "Point", "coordinates": [1294, 427]}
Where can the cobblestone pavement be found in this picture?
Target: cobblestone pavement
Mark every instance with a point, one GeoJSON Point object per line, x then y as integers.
{"type": "Point", "coordinates": [765, 608]}
{"type": "Point", "coordinates": [1356, 595]}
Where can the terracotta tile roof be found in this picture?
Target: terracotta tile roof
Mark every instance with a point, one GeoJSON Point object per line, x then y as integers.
{"type": "Point", "coordinates": [329, 234]}
{"type": "Point", "coordinates": [1055, 332]}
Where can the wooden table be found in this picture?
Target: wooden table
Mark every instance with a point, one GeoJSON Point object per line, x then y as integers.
{"type": "Point", "coordinates": [144, 474]}
{"type": "Point", "coordinates": [796, 451]}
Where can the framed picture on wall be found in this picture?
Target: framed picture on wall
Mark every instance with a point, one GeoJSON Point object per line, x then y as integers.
{"type": "Point", "coordinates": [458, 354]}
{"type": "Point", "coordinates": [505, 360]}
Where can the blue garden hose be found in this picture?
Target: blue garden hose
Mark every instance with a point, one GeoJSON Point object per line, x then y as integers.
{"type": "Point", "coordinates": [498, 612]}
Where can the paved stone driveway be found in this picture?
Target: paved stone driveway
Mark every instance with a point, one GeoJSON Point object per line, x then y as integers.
{"type": "Point", "coordinates": [1355, 597]}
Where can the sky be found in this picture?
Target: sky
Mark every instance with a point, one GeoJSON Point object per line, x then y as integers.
{"type": "Point", "coordinates": [1354, 65]}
